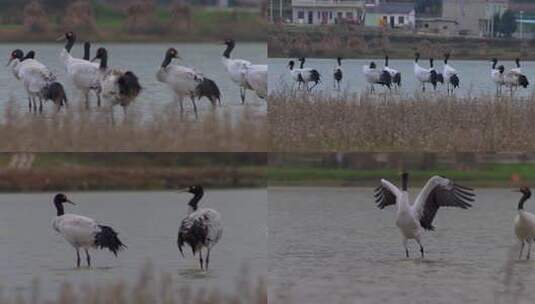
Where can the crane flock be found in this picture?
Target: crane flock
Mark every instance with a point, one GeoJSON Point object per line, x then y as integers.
{"type": "Point", "coordinates": [119, 86]}
{"type": "Point", "coordinates": [390, 77]}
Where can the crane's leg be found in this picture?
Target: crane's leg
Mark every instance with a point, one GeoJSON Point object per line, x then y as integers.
{"type": "Point", "coordinates": [421, 247]}
{"type": "Point", "coordinates": [88, 257]}
{"type": "Point", "coordinates": [207, 259]}
{"type": "Point", "coordinates": [86, 99]}
{"type": "Point", "coordinates": [40, 105]}
{"type": "Point", "coordinates": [125, 114]}
{"type": "Point", "coordinates": [529, 249]}
{"type": "Point", "coordinates": [180, 100]}
{"type": "Point", "coordinates": [405, 245]}
{"type": "Point", "coordinates": [423, 87]}
{"type": "Point", "coordinates": [521, 249]}
{"type": "Point", "coordinates": [98, 91]}
{"type": "Point", "coordinates": [112, 116]}
{"type": "Point", "coordinates": [30, 103]}
{"type": "Point", "coordinates": [242, 94]}
{"type": "Point", "coordinates": [194, 106]}
{"type": "Point", "coordinates": [78, 257]}
{"type": "Point", "coordinates": [200, 259]}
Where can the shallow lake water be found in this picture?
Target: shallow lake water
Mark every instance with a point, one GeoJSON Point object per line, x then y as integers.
{"type": "Point", "coordinates": [147, 223]}
{"type": "Point", "coordinates": [144, 59]}
{"type": "Point", "coordinates": [332, 245]}
{"type": "Point", "coordinates": [474, 76]}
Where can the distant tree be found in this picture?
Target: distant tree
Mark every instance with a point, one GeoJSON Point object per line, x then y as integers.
{"type": "Point", "coordinates": [508, 23]}
{"type": "Point", "coordinates": [433, 7]}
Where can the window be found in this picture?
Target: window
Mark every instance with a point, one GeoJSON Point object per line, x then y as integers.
{"type": "Point", "coordinates": [331, 15]}
{"type": "Point", "coordinates": [401, 20]}
{"type": "Point", "coordinates": [300, 15]}
{"type": "Point", "coordinates": [349, 15]}
{"type": "Point", "coordinates": [340, 15]}
{"type": "Point", "coordinates": [319, 15]}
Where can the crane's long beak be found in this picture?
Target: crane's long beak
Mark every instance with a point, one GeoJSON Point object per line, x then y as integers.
{"type": "Point", "coordinates": [93, 60]}
{"type": "Point", "coordinates": [70, 202]}
{"type": "Point", "coordinates": [183, 190]}
{"type": "Point", "coordinates": [60, 38]}
{"type": "Point", "coordinates": [10, 61]}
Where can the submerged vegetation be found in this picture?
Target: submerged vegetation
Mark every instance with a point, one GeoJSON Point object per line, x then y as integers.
{"type": "Point", "coordinates": [434, 123]}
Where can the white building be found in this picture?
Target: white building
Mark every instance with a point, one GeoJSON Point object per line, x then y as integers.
{"type": "Point", "coordinates": [327, 11]}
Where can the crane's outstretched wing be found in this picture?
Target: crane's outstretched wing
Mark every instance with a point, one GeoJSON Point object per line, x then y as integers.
{"type": "Point", "coordinates": [444, 195]}
{"type": "Point", "coordinates": [384, 196]}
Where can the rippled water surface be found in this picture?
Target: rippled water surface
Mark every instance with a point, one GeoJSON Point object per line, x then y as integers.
{"type": "Point", "coordinates": [332, 245]}
{"type": "Point", "coordinates": [474, 75]}
{"type": "Point", "coordinates": [147, 223]}
{"type": "Point", "coordinates": [144, 59]}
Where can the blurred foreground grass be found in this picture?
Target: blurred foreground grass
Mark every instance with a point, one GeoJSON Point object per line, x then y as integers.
{"type": "Point", "coordinates": [79, 130]}
{"type": "Point", "coordinates": [303, 122]}
{"type": "Point", "coordinates": [150, 288]}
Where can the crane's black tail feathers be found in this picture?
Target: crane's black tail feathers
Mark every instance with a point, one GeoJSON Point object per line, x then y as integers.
{"type": "Point", "coordinates": [107, 238]}
{"type": "Point", "coordinates": [209, 89]}
{"type": "Point", "coordinates": [56, 93]}
{"type": "Point", "coordinates": [385, 79]}
{"type": "Point", "coordinates": [523, 81]}
{"type": "Point", "coordinates": [454, 80]}
{"type": "Point", "coordinates": [129, 85]}
{"type": "Point", "coordinates": [397, 79]}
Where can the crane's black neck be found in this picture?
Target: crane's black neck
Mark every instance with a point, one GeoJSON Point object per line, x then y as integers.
{"type": "Point", "coordinates": [193, 203]}
{"type": "Point", "coordinates": [230, 47]}
{"type": "Point", "coordinates": [404, 181]}
{"type": "Point", "coordinates": [59, 208]}
{"type": "Point", "coordinates": [69, 44]}
{"type": "Point", "coordinates": [302, 65]}
{"type": "Point", "coordinates": [87, 50]}
{"type": "Point", "coordinates": [431, 62]}
{"type": "Point", "coordinates": [104, 60]}
{"type": "Point", "coordinates": [167, 60]}
{"type": "Point", "coordinates": [494, 63]}
{"type": "Point", "coordinates": [386, 61]}
{"type": "Point", "coordinates": [523, 199]}
{"type": "Point", "coordinates": [339, 61]}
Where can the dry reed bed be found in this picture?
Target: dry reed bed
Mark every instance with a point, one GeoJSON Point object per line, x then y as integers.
{"type": "Point", "coordinates": [149, 289]}
{"type": "Point", "coordinates": [78, 130]}
{"type": "Point", "coordinates": [316, 122]}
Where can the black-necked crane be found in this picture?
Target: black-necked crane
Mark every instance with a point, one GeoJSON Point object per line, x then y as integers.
{"type": "Point", "coordinates": [338, 73]}
{"type": "Point", "coordinates": [413, 219]}
{"type": "Point", "coordinates": [394, 74]}
{"type": "Point", "coordinates": [497, 75]}
{"type": "Point", "coordinates": [83, 74]}
{"type": "Point", "coordinates": [39, 82]}
{"type": "Point", "coordinates": [201, 229]}
{"type": "Point", "coordinates": [186, 82]}
{"type": "Point", "coordinates": [375, 76]}
{"type": "Point", "coordinates": [117, 86]}
{"type": "Point", "coordinates": [83, 232]}
{"type": "Point", "coordinates": [303, 75]}
{"type": "Point", "coordinates": [243, 72]}
{"type": "Point", "coordinates": [524, 226]}
{"type": "Point", "coordinates": [424, 75]}
{"type": "Point", "coordinates": [450, 75]}
{"type": "Point", "coordinates": [514, 78]}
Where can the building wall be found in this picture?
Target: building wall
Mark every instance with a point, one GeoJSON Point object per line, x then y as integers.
{"type": "Point", "coordinates": [374, 19]}
{"type": "Point", "coordinates": [324, 15]}
{"type": "Point", "coordinates": [472, 15]}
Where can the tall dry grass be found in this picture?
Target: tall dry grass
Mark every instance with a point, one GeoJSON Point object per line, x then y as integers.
{"type": "Point", "coordinates": [149, 288]}
{"type": "Point", "coordinates": [317, 122]}
{"type": "Point", "coordinates": [79, 130]}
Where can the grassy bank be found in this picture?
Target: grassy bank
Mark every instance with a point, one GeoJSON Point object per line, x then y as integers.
{"type": "Point", "coordinates": [79, 130]}
{"type": "Point", "coordinates": [316, 122]}
{"type": "Point", "coordinates": [360, 42]}
{"type": "Point", "coordinates": [207, 25]}
{"type": "Point", "coordinates": [120, 171]}
{"type": "Point", "coordinates": [490, 175]}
